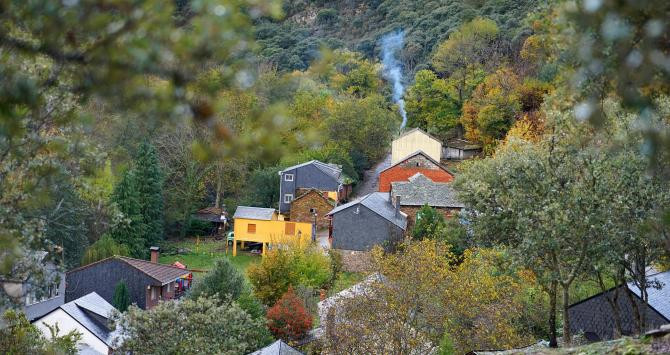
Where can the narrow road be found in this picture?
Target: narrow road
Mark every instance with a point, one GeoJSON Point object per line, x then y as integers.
{"type": "Point", "coordinates": [371, 177]}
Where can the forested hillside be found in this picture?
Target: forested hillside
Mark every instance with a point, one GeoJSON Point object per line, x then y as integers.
{"type": "Point", "coordinates": [294, 41]}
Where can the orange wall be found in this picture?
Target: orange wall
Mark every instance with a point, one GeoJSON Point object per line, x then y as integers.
{"type": "Point", "coordinates": [400, 173]}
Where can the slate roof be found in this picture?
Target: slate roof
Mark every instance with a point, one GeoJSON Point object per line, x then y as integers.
{"type": "Point", "coordinates": [160, 272]}
{"type": "Point", "coordinates": [418, 152]}
{"type": "Point", "coordinates": [260, 213]}
{"type": "Point", "coordinates": [86, 309]}
{"type": "Point", "coordinates": [420, 190]}
{"type": "Point", "coordinates": [659, 299]}
{"type": "Point", "coordinates": [462, 144]}
{"type": "Point", "coordinates": [377, 202]}
{"type": "Point", "coordinates": [420, 130]}
{"type": "Point", "coordinates": [329, 200]}
{"type": "Point", "coordinates": [333, 170]}
{"type": "Point", "coordinates": [277, 348]}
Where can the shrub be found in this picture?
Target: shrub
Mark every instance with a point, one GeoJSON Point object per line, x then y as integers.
{"type": "Point", "coordinates": [18, 336]}
{"type": "Point", "coordinates": [288, 319]}
{"type": "Point", "coordinates": [225, 280]}
{"type": "Point", "coordinates": [326, 16]}
{"type": "Point", "coordinates": [121, 297]}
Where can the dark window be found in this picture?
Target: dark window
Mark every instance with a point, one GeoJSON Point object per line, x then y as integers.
{"type": "Point", "coordinates": [251, 228]}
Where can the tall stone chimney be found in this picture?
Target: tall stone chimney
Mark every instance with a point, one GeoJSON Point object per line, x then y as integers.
{"type": "Point", "coordinates": [397, 206]}
{"type": "Point", "coordinates": [154, 254]}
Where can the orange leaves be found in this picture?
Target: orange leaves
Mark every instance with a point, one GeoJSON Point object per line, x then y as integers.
{"type": "Point", "coordinates": [288, 319]}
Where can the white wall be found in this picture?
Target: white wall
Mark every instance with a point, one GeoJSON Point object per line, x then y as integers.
{"type": "Point", "coordinates": [67, 324]}
{"type": "Point", "coordinates": [410, 143]}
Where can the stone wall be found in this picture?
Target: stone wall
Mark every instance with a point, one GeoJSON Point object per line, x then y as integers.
{"type": "Point", "coordinates": [300, 209]}
{"type": "Point", "coordinates": [408, 168]}
{"type": "Point", "coordinates": [355, 261]}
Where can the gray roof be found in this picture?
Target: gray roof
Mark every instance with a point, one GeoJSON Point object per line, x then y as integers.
{"type": "Point", "coordinates": [86, 309]}
{"type": "Point", "coordinates": [333, 170]}
{"type": "Point", "coordinates": [463, 144]}
{"type": "Point", "coordinates": [379, 203]}
{"type": "Point", "coordinates": [277, 348]}
{"type": "Point", "coordinates": [659, 299]}
{"type": "Point", "coordinates": [419, 152]}
{"type": "Point", "coordinates": [420, 190]}
{"type": "Point", "coordinates": [264, 214]}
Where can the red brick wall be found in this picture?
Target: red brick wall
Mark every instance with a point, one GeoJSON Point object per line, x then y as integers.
{"type": "Point", "coordinates": [399, 173]}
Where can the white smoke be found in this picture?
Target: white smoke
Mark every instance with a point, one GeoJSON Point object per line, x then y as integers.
{"type": "Point", "coordinates": [391, 44]}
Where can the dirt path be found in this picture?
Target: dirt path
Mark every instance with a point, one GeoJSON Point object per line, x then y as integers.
{"type": "Point", "coordinates": [371, 177]}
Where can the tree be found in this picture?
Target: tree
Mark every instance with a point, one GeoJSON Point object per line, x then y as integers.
{"type": "Point", "coordinates": [291, 264]}
{"type": "Point", "coordinates": [103, 248]}
{"type": "Point", "coordinates": [18, 336]}
{"type": "Point", "coordinates": [149, 182]}
{"type": "Point", "coordinates": [121, 299]}
{"type": "Point", "coordinates": [466, 50]}
{"type": "Point", "coordinates": [425, 293]}
{"type": "Point", "coordinates": [130, 230]}
{"type": "Point", "coordinates": [224, 280]}
{"type": "Point", "coordinates": [429, 224]}
{"type": "Point", "coordinates": [431, 105]}
{"type": "Point", "coordinates": [206, 325]}
{"type": "Point", "coordinates": [288, 319]}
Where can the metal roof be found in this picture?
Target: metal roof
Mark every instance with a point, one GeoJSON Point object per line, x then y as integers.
{"type": "Point", "coordinates": [79, 310]}
{"type": "Point", "coordinates": [462, 144]}
{"type": "Point", "coordinates": [659, 298]}
{"type": "Point", "coordinates": [260, 213]}
{"type": "Point", "coordinates": [420, 131]}
{"type": "Point", "coordinates": [277, 348]}
{"type": "Point", "coordinates": [420, 190]}
{"type": "Point", "coordinates": [379, 203]}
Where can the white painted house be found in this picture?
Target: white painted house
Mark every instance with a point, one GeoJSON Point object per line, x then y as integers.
{"type": "Point", "coordinates": [412, 141]}
{"type": "Point", "coordinates": [89, 315]}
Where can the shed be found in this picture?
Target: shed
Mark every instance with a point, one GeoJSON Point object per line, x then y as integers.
{"type": "Point", "coordinates": [413, 140]}
{"type": "Point", "coordinates": [461, 149]}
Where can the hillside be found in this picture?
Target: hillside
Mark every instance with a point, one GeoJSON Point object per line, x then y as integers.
{"type": "Point", "coordinates": [294, 42]}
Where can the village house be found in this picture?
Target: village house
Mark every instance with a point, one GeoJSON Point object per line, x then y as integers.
{"type": "Point", "coordinates": [594, 316]}
{"type": "Point", "coordinates": [419, 191]}
{"type": "Point", "coordinates": [461, 149]}
{"type": "Point", "coordinates": [266, 226]}
{"type": "Point", "coordinates": [90, 316]}
{"type": "Point", "coordinates": [301, 178]}
{"type": "Point", "coordinates": [312, 207]}
{"type": "Point", "coordinates": [217, 216]}
{"type": "Point", "coordinates": [148, 282]}
{"type": "Point", "coordinates": [415, 140]}
{"type": "Point", "coordinates": [416, 162]}
{"type": "Point", "coordinates": [358, 226]}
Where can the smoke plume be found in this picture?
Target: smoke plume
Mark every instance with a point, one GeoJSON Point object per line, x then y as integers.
{"type": "Point", "coordinates": [391, 44]}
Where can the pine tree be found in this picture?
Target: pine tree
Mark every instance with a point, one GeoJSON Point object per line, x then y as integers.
{"type": "Point", "coordinates": [121, 297]}
{"type": "Point", "coordinates": [130, 230]}
{"type": "Point", "coordinates": [149, 182]}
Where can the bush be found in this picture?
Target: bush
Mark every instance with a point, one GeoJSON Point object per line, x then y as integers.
{"type": "Point", "coordinates": [121, 297]}
{"type": "Point", "coordinates": [429, 224]}
{"type": "Point", "coordinates": [18, 336]}
{"type": "Point", "coordinates": [225, 280]}
{"type": "Point", "coordinates": [286, 266]}
{"type": "Point", "coordinates": [288, 319]}
{"type": "Point", "coordinates": [325, 16]}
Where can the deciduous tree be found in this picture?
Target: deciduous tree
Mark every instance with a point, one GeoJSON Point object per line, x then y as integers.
{"type": "Point", "coordinates": [288, 319]}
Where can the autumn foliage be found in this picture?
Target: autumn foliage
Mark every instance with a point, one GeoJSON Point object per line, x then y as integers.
{"type": "Point", "coordinates": [288, 319]}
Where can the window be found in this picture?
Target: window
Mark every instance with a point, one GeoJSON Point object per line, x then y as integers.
{"type": "Point", "coordinates": [251, 228]}
{"type": "Point", "coordinates": [153, 293]}
{"type": "Point", "coordinates": [289, 229]}
{"type": "Point", "coordinates": [288, 177]}
{"type": "Point", "coordinates": [312, 210]}
{"type": "Point", "coordinates": [288, 198]}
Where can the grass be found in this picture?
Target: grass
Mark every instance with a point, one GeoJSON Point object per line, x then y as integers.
{"type": "Point", "coordinates": [346, 280]}
{"type": "Point", "coordinates": [204, 253]}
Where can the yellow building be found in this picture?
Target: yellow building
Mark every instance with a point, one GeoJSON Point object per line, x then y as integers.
{"type": "Point", "coordinates": [265, 225]}
{"type": "Point", "coordinates": [413, 141]}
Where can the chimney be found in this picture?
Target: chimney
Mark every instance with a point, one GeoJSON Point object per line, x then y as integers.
{"type": "Point", "coordinates": [397, 206]}
{"type": "Point", "coordinates": [154, 254]}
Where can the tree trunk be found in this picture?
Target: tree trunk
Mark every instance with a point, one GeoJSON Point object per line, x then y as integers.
{"type": "Point", "coordinates": [217, 201]}
{"type": "Point", "coordinates": [553, 343]}
{"type": "Point", "coordinates": [567, 336]}
{"type": "Point", "coordinates": [614, 304]}
{"type": "Point", "coordinates": [636, 310]}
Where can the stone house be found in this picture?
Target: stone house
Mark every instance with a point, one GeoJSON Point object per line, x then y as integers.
{"type": "Point", "coordinates": [148, 282]}
{"type": "Point", "coordinates": [417, 162]}
{"type": "Point", "coordinates": [594, 316]}
{"type": "Point", "coordinates": [358, 226]}
{"type": "Point", "coordinates": [419, 191]}
{"type": "Point", "coordinates": [327, 178]}
{"type": "Point", "coordinates": [413, 140]}
{"type": "Point", "coordinates": [310, 204]}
